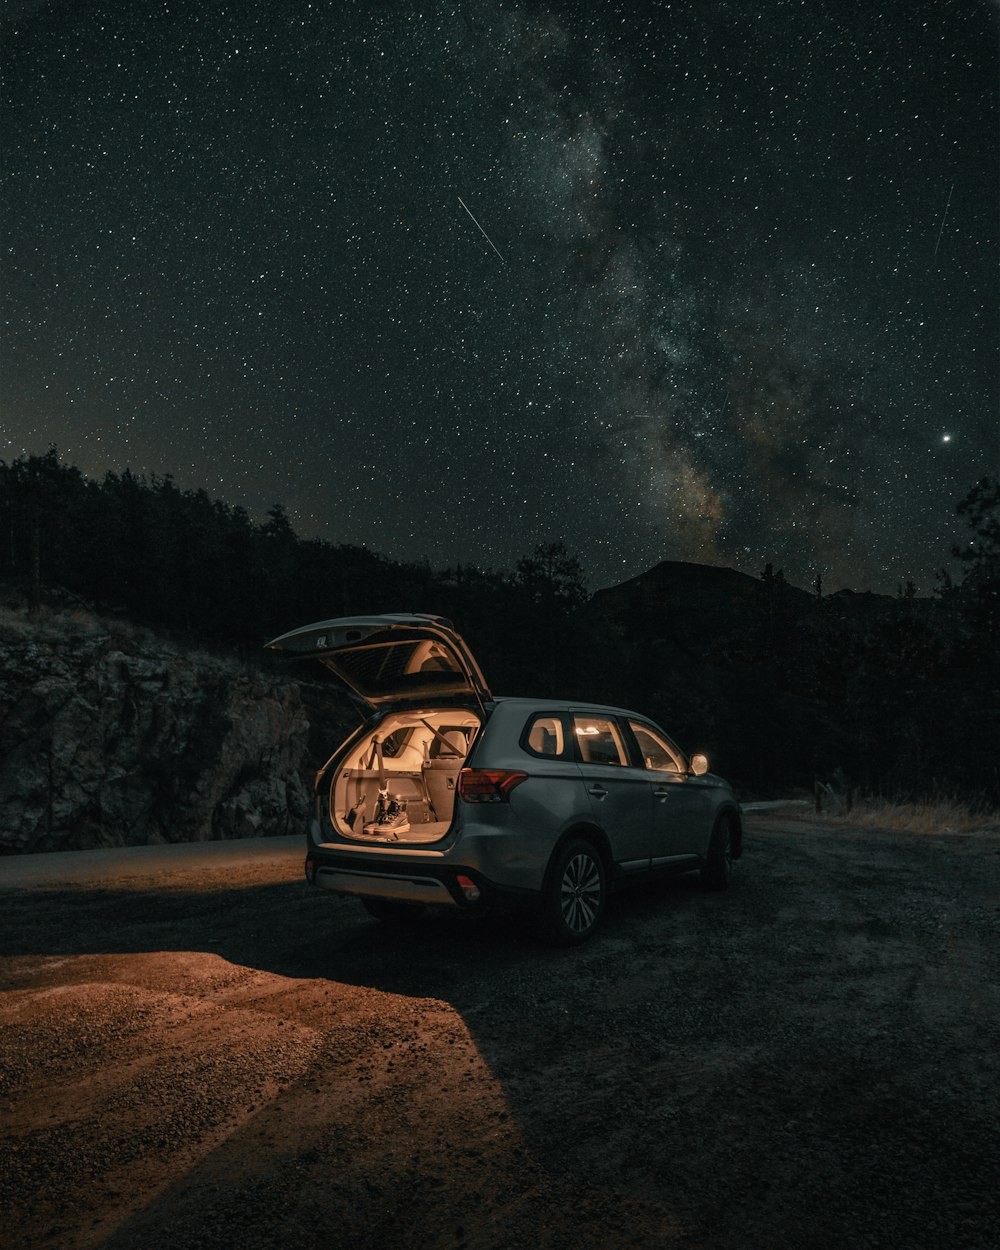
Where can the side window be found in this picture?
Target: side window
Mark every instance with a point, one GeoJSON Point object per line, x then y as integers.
{"type": "Point", "coordinates": [599, 740]}
{"type": "Point", "coordinates": [543, 735]}
{"type": "Point", "coordinates": [393, 744]}
{"type": "Point", "coordinates": [656, 752]}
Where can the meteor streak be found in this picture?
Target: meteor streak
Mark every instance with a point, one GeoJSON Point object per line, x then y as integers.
{"type": "Point", "coordinates": [944, 219]}
{"type": "Point", "coordinates": [481, 230]}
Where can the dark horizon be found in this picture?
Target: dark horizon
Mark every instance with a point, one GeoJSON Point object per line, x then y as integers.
{"type": "Point", "coordinates": [949, 565]}
{"type": "Point", "coordinates": [782, 685]}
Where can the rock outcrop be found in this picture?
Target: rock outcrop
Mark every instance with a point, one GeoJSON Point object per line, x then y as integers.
{"type": "Point", "coordinates": [111, 736]}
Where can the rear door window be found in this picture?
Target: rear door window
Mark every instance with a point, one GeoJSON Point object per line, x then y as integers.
{"type": "Point", "coordinates": [599, 740]}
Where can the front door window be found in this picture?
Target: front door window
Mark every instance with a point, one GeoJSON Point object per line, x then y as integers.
{"type": "Point", "coordinates": [657, 754]}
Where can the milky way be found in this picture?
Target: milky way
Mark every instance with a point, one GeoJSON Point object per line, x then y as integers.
{"type": "Point", "coordinates": [684, 281]}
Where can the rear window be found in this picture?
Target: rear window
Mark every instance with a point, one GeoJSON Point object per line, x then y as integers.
{"type": "Point", "coordinates": [397, 666]}
{"type": "Point", "coordinates": [544, 735]}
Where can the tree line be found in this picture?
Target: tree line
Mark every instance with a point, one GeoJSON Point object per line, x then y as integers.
{"type": "Point", "coordinates": [902, 694]}
{"type": "Point", "coordinates": [177, 560]}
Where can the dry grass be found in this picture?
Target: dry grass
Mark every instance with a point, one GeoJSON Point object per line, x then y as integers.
{"type": "Point", "coordinates": [944, 815]}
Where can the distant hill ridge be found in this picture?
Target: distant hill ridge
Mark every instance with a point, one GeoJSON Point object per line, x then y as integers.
{"type": "Point", "coordinates": [687, 577]}
{"type": "Point", "coordinates": [691, 577]}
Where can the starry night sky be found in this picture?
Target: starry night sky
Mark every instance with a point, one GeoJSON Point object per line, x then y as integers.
{"type": "Point", "coordinates": [731, 297]}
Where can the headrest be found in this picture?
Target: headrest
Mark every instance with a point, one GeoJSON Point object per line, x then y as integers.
{"type": "Point", "coordinates": [456, 745]}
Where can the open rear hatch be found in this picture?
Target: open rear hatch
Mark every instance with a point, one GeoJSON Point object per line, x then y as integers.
{"type": "Point", "coordinates": [398, 782]}
{"type": "Point", "coordinates": [395, 661]}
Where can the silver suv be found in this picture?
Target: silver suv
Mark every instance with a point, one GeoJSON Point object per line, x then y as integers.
{"type": "Point", "coordinates": [450, 797]}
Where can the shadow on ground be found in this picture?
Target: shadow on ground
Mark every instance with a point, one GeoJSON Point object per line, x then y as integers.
{"type": "Point", "coordinates": [808, 1060]}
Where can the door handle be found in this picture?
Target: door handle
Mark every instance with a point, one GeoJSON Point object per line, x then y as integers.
{"type": "Point", "coordinates": [598, 791]}
{"type": "Point", "coordinates": [662, 794]}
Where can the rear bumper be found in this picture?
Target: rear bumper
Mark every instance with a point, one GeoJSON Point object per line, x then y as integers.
{"type": "Point", "coordinates": [501, 859]}
{"type": "Point", "coordinates": [412, 879]}
{"type": "Point", "coordinates": [396, 886]}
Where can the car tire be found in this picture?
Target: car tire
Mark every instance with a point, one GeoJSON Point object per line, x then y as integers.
{"type": "Point", "coordinates": [718, 869]}
{"type": "Point", "coordinates": [390, 912]}
{"type": "Point", "coordinates": [576, 894]}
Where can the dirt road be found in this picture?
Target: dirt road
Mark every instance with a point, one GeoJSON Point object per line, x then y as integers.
{"type": "Point", "coordinates": [201, 1051]}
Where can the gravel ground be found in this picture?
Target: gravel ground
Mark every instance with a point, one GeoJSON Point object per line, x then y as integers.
{"type": "Point", "coordinates": [202, 1051]}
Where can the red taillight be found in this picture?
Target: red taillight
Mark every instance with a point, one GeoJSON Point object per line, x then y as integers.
{"type": "Point", "coordinates": [488, 785]}
{"type": "Point", "coordinates": [468, 887]}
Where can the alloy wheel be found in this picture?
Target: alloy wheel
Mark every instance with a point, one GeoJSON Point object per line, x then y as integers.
{"type": "Point", "coordinates": [580, 892]}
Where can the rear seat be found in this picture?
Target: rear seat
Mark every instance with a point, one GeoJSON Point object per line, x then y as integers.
{"type": "Point", "coordinates": [440, 773]}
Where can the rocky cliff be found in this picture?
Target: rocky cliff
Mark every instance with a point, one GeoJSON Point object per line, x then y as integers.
{"type": "Point", "coordinates": [111, 736]}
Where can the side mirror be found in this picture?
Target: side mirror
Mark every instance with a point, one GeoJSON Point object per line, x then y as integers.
{"type": "Point", "coordinates": [699, 765]}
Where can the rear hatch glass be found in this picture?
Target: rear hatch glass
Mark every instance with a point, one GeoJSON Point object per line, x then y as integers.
{"type": "Point", "coordinates": [392, 660]}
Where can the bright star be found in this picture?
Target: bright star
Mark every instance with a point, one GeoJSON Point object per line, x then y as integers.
{"type": "Point", "coordinates": [945, 438]}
